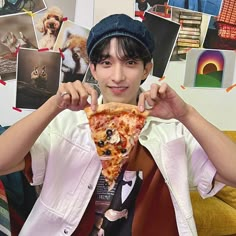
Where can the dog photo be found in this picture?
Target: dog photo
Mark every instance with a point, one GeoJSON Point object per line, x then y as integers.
{"type": "Point", "coordinates": [48, 22]}
{"type": "Point", "coordinates": [71, 42]}
{"type": "Point", "coordinates": [15, 31]}
{"type": "Point", "coordinates": [38, 77]}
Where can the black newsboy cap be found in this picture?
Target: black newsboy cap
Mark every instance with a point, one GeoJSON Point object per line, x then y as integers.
{"type": "Point", "coordinates": [120, 25]}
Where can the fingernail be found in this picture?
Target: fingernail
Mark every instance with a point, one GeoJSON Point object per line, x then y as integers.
{"type": "Point", "coordinates": [141, 108]}
{"type": "Point", "coordinates": [93, 107]}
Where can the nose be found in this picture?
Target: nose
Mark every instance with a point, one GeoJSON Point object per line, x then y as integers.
{"type": "Point", "coordinates": [118, 73]}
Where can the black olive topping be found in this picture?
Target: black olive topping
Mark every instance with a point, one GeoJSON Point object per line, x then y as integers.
{"type": "Point", "coordinates": [109, 132]}
{"type": "Point", "coordinates": [123, 150]}
{"type": "Point", "coordinates": [108, 152]}
{"type": "Point", "coordinates": [100, 143]}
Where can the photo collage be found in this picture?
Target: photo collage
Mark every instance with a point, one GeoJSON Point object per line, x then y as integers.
{"type": "Point", "coordinates": [42, 46]}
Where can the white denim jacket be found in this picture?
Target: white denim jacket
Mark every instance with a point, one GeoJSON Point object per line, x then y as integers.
{"type": "Point", "coordinates": [65, 161]}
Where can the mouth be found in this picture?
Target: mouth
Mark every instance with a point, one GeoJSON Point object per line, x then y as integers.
{"type": "Point", "coordinates": [118, 89]}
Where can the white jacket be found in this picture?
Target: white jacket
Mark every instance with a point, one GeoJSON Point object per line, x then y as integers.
{"type": "Point", "coordinates": [64, 159]}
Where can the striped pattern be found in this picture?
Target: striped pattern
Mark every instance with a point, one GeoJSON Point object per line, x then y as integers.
{"type": "Point", "coordinates": [4, 213]}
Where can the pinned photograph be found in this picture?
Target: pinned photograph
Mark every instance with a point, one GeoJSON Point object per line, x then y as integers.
{"type": "Point", "coordinates": [9, 7]}
{"type": "Point", "coordinates": [221, 32]}
{"type": "Point", "coordinates": [165, 33]}
{"type": "Point", "coordinates": [192, 32]}
{"type": "Point", "coordinates": [15, 31]}
{"type": "Point", "coordinates": [49, 26]}
{"type": "Point", "coordinates": [210, 68]}
{"type": "Point", "coordinates": [158, 6]}
{"type": "Point", "coordinates": [162, 10]}
{"type": "Point", "coordinates": [48, 22]}
{"type": "Point", "coordinates": [72, 41]}
{"type": "Point", "coordinates": [211, 7]}
{"type": "Point", "coordinates": [38, 76]}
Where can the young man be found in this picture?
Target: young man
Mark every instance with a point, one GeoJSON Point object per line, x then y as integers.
{"type": "Point", "coordinates": [63, 157]}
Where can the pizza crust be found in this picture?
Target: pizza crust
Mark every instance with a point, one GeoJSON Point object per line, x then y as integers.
{"type": "Point", "coordinates": [115, 107]}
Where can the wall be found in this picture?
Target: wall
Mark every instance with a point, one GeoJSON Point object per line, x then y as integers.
{"type": "Point", "coordinates": [216, 105]}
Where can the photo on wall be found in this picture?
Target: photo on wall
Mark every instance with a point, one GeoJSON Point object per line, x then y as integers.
{"type": "Point", "coordinates": [158, 6]}
{"type": "Point", "coordinates": [9, 7]}
{"type": "Point", "coordinates": [38, 76]}
{"type": "Point", "coordinates": [48, 22]}
{"type": "Point", "coordinates": [192, 32]}
{"type": "Point", "coordinates": [221, 33]}
{"type": "Point", "coordinates": [211, 7]}
{"type": "Point", "coordinates": [210, 68]}
{"type": "Point", "coordinates": [71, 41]}
{"type": "Point", "coordinates": [15, 31]}
{"type": "Point", "coordinates": [165, 33]}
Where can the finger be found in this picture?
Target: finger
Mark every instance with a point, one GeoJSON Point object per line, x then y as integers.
{"type": "Point", "coordinates": [74, 93]}
{"type": "Point", "coordinates": [145, 101]}
{"type": "Point", "coordinates": [154, 91]}
{"type": "Point", "coordinates": [150, 102]}
{"type": "Point", "coordinates": [82, 93]}
{"type": "Point", "coordinates": [163, 90]}
{"type": "Point", "coordinates": [63, 95]}
{"type": "Point", "coordinates": [93, 94]}
{"type": "Point", "coordinates": [141, 102]}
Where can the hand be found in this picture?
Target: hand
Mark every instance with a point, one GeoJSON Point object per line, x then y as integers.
{"type": "Point", "coordinates": [165, 103]}
{"type": "Point", "coordinates": [74, 96]}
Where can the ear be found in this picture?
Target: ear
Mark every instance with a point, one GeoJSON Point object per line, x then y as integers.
{"type": "Point", "coordinates": [147, 69]}
{"type": "Point", "coordinates": [93, 70]}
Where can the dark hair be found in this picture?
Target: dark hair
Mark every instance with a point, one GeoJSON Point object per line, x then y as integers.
{"type": "Point", "coordinates": [128, 48]}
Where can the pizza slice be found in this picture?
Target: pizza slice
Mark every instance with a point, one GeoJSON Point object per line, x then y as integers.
{"type": "Point", "coordinates": [115, 130]}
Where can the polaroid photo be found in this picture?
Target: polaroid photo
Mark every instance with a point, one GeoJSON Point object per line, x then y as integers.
{"type": "Point", "coordinates": [156, 6]}
{"type": "Point", "coordinates": [15, 31]}
{"type": "Point", "coordinates": [165, 34]}
{"type": "Point", "coordinates": [213, 39]}
{"type": "Point", "coordinates": [192, 32]}
{"type": "Point", "coordinates": [72, 41]}
{"type": "Point", "coordinates": [210, 68]}
{"type": "Point", "coordinates": [48, 22]}
{"type": "Point", "coordinates": [38, 77]}
{"type": "Point", "coordinates": [211, 7]}
{"type": "Point", "coordinates": [9, 7]}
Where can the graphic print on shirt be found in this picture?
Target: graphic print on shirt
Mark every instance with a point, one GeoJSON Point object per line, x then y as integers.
{"type": "Point", "coordinates": [115, 208]}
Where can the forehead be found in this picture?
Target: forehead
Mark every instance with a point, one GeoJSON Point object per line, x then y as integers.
{"type": "Point", "coordinates": [113, 48]}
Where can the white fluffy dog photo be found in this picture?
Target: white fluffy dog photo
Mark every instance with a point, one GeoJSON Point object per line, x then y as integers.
{"type": "Point", "coordinates": [49, 26]}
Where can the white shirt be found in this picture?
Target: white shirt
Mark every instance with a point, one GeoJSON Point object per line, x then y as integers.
{"type": "Point", "coordinates": [64, 159]}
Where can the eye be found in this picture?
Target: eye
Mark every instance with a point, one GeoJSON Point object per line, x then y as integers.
{"type": "Point", "coordinates": [131, 62]}
{"type": "Point", "coordinates": [75, 55]}
{"type": "Point", "coordinates": [105, 62]}
{"type": "Point", "coordinates": [57, 18]}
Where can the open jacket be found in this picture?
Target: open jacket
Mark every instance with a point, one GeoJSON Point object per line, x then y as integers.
{"type": "Point", "coordinates": [65, 161]}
